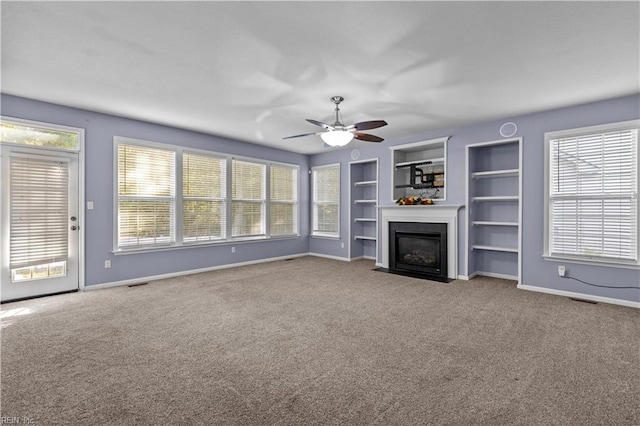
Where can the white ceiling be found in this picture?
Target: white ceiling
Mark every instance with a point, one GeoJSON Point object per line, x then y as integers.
{"type": "Point", "coordinates": [254, 71]}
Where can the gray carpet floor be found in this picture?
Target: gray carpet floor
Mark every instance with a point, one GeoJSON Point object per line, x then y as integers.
{"type": "Point", "coordinates": [317, 341]}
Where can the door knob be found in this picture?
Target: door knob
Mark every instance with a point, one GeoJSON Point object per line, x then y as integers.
{"type": "Point", "coordinates": [73, 228]}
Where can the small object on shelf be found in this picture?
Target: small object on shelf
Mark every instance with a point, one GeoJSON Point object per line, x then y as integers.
{"type": "Point", "coordinates": [413, 201]}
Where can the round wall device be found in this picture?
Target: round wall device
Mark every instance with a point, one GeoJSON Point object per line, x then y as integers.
{"type": "Point", "coordinates": [355, 154]}
{"type": "Point", "coordinates": [508, 129]}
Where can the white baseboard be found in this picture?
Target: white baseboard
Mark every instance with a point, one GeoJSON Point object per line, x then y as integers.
{"type": "Point", "coordinates": [487, 274]}
{"type": "Point", "coordinates": [592, 298]}
{"type": "Point", "coordinates": [189, 272]}
{"type": "Point", "coordinates": [362, 258]}
{"type": "Point", "coordinates": [494, 275]}
{"type": "Point", "coordinates": [328, 256]}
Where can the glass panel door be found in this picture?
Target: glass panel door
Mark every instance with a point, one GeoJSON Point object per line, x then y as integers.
{"type": "Point", "coordinates": [39, 222]}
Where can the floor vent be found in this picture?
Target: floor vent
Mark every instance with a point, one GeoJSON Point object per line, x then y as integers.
{"type": "Point", "coordinates": [583, 301]}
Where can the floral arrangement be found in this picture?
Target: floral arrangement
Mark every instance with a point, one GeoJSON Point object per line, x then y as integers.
{"type": "Point", "coordinates": [413, 201]}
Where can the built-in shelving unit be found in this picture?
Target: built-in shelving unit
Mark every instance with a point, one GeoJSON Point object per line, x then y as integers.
{"type": "Point", "coordinates": [494, 210]}
{"type": "Point", "coordinates": [363, 176]}
{"type": "Point", "coordinates": [419, 169]}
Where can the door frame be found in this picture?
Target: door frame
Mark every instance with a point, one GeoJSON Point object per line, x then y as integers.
{"type": "Point", "coordinates": [81, 179]}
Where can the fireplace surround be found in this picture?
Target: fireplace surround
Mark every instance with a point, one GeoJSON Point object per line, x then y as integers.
{"type": "Point", "coordinates": [444, 214]}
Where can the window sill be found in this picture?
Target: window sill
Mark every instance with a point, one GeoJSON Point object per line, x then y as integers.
{"type": "Point", "coordinates": [593, 262]}
{"type": "Point", "coordinates": [238, 240]}
{"type": "Point", "coordinates": [325, 237]}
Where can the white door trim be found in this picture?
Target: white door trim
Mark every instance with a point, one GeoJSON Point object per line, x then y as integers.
{"type": "Point", "coordinates": [81, 182]}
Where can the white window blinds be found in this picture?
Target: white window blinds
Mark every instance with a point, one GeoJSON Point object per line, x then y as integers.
{"type": "Point", "coordinates": [593, 195]}
{"type": "Point", "coordinates": [326, 201]}
{"type": "Point", "coordinates": [146, 196]}
{"type": "Point", "coordinates": [167, 195]}
{"type": "Point", "coordinates": [283, 207]}
{"type": "Point", "coordinates": [39, 216]}
{"type": "Point", "coordinates": [248, 199]}
{"type": "Point", "coordinates": [204, 182]}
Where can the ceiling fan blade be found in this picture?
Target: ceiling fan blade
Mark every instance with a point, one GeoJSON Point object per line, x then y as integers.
{"type": "Point", "coordinates": [321, 124]}
{"type": "Point", "coordinates": [299, 136]}
{"type": "Point", "coordinates": [366, 137]}
{"type": "Point", "coordinates": [368, 125]}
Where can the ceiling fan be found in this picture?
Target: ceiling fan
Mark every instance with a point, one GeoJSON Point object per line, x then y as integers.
{"type": "Point", "coordinates": [337, 134]}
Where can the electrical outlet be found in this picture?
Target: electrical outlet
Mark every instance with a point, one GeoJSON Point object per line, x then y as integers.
{"type": "Point", "coordinates": [107, 264]}
{"type": "Point", "coordinates": [342, 245]}
{"type": "Point", "coordinates": [561, 270]}
{"type": "Point", "coordinates": [233, 249]}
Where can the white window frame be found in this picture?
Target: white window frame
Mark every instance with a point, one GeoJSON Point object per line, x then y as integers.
{"type": "Point", "coordinates": [548, 219]}
{"type": "Point", "coordinates": [175, 199]}
{"type": "Point", "coordinates": [45, 126]}
{"type": "Point", "coordinates": [295, 202]}
{"type": "Point", "coordinates": [315, 203]}
{"type": "Point", "coordinates": [262, 202]}
{"type": "Point", "coordinates": [223, 199]}
{"type": "Point", "coordinates": [178, 217]}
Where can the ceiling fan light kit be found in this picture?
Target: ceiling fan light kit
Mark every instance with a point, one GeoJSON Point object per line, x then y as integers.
{"type": "Point", "coordinates": [337, 137]}
{"type": "Point", "coordinates": [338, 134]}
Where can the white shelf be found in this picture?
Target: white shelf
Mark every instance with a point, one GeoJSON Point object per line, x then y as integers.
{"type": "Point", "coordinates": [496, 198]}
{"type": "Point", "coordinates": [494, 248]}
{"type": "Point", "coordinates": [365, 201]}
{"type": "Point", "coordinates": [431, 160]}
{"type": "Point", "coordinates": [495, 173]}
{"type": "Point", "coordinates": [491, 223]}
{"type": "Point", "coordinates": [365, 219]}
{"type": "Point", "coordinates": [365, 183]}
{"type": "Point", "coordinates": [364, 237]}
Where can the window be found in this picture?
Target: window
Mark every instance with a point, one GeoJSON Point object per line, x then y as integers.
{"type": "Point", "coordinates": [38, 217]}
{"type": "Point", "coordinates": [283, 214]}
{"type": "Point", "coordinates": [326, 201]}
{"type": "Point", "coordinates": [248, 199]}
{"type": "Point", "coordinates": [29, 133]}
{"type": "Point", "coordinates": [592, 190]}
{"type": "Point", "coordinates": [146, 196]}
{"type": "Point", "coordinates": [203, 197]}
{"type": "Point", "coordinates": [170, 196]}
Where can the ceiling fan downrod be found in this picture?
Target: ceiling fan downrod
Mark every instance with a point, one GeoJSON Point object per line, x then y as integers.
{"type": "Point", "coordinates": [336, 100]}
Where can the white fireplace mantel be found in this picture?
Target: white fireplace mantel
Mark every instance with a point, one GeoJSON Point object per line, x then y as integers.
{"type": "Point", "coordinates": [425, 214]}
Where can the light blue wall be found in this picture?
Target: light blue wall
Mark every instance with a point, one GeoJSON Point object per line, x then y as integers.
{"type": "Point", "coordinates": [99, 132]}
{"type": "Point", "coordinates": [535, 270]}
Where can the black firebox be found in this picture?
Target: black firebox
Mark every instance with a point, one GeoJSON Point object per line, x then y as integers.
{"type": "Point", "coordinates": [419, 249]}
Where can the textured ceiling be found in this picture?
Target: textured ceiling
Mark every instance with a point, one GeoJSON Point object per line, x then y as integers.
{"type": "Point", "coordinates": [254, 71]}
